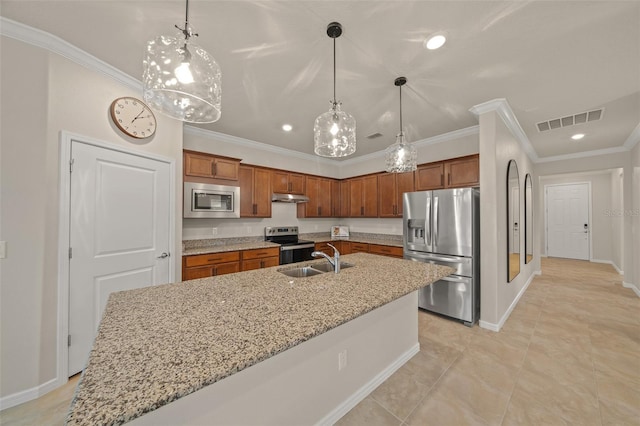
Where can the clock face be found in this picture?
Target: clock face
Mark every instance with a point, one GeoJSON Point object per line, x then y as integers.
{"type": "Point", "coordinates": [133, 117]}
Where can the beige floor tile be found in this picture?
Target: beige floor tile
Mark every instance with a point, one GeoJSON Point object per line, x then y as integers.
{"type": "Point", "coordinates": [440, 351]}
{"type": "Point", "coordinates": [615, 415]}
{"type": "Point", "coordinates": [368, 413]}
{"type": "Point", "coordinates": [499, 376]}
{"type": "Point", "coordinates": [567, 369]}
{"type": "Point", "coordinates": [618, 365]}
{"type": "Point", "coordinates": [401, 392]}
{"type": "Point", "coordinates": [497, 349]}
{"type": "Point", "coordinates": [437, 410]}
{"type": "Point", "coordinates": [425, 368]}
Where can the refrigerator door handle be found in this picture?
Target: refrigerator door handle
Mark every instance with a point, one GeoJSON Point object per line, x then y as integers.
{"type": "Point", "coordinates": [435, 222]}
{"type": "Point", "coordinates": [427, 224]}
{"type": "Point", "coordinates": [453, 279]}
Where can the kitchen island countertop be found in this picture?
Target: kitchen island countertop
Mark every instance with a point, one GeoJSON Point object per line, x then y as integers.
{"type": "Point", "coordinates": [157, 344]}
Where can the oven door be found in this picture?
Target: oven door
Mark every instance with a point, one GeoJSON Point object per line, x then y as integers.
{"type": "Point", "coordinates": [296, 253]}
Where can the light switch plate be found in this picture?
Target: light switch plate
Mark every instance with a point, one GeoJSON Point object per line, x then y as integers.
{"type": "Point", "coordinates": [3, 249]}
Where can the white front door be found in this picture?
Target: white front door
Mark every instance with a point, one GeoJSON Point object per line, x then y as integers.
{"type": "Point", "coordinates": [568, 221]}
{"type": "Point", "coordinates": [119, 230]}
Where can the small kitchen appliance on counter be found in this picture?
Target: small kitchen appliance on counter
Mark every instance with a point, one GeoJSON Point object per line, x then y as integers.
{"type": "Point", "coordinates": [443, 227]}
{"type": "Point", "coordinates": [292, 249]}
{"type": "Point", "coordinates": [339, 232]}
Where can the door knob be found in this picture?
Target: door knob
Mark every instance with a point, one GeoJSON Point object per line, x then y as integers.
{"type": "Point", "coordinates": [163, 255]}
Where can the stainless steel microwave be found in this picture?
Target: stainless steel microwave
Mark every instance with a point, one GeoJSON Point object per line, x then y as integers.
{"type": "Point", "coordinates": [211, 201]}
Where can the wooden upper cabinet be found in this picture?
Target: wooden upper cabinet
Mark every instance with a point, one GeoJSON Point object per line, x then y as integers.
{"type": "Point", "coordinates": [288, 183]}
{"type": "Point", "coordinates": [429, 176]}
{"type": "Point", "coordinates": [344, 198]}
{"type": "Point", "coordinates": [462, 172]}
{"type": "Point", "coordinates": [255, 192]}
{"type": "Point", "coordinates": [319, 191]}
{"type": "Point", "coordinates": [201, 165]}
{"type": "Point", "coordinates": [363, 196]}
{"type": "Point", "coordinates": [335, 198]}
{"type": "Point", "coordinates": [391, 186]}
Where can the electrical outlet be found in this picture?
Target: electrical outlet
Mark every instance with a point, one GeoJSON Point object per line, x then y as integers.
{"type": "Point", "coordinates": [342, 360]}
{"type": "Point", "coordinates": [215, 231]}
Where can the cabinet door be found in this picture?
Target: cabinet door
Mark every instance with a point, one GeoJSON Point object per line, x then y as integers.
{"type": "Point", "coordinates": [386, 250]}
{"type": "Point", "coordinates": [226, 268]}
{"type": "Point", "coordinates": [280, 182]}
{"type": "Point", "coordinates": [404, 183]}
{"type": "Point", "coordinates": [359, 247]}
{"type": "Point", "coordinates": [195, 273]}
{"type": "Point", "coordinates": [335, 198]}
{"type": "Point", "coordinates": [356, 208]}
{"type": "Point", "coordinates": [429, 176]}
{"type": "Point", "coordinates": [370, 196]}
{"type": "Point", "coordinates": [225, 169]}
{"type": "Point", "coordinates": [463, 172]}
{"type": "Point", "coordinates": [198, 165]}
{"type": "Point", "coordinates": [245, 175]}
{"type": "Point", "coordinates": [296, 183]}
{"type": "Point", "coordinates": [261, 192]}
{"type": "Point", "coordinates": [344, 198]}
{"type": "Point", "coordinates": [324, 198]}
{"type": "Point", "coordinates": [387, 198]}
{"type": "Point", "coordinates": [312, 207]}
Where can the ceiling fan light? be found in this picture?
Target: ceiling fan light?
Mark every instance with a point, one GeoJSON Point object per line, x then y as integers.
{"type": "Point", "coordinates": [435, 42]}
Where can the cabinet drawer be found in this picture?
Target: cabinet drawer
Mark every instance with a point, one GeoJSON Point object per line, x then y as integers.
{"type": "Point", "coordinates": [385, 250]}
{"type": "Point", "coordinates": [359, 247]}
{"type": "Point", "coordinates": [260, 253]}
{"type": "Point", "coordinates": [195, 273]}
{"type": "Point", "coordinates": [211, 258]}
{"type": "Point", "coordinates": [267, 262]}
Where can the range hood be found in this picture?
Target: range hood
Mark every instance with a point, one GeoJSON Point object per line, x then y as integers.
{"type": "Point", "coordinates": [289, 198]}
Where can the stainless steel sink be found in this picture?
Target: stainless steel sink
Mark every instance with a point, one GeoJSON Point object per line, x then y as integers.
{"type": "Point", "coordinates": [303, 271]}
{"type": "Point", "coordinates": [327, 267]}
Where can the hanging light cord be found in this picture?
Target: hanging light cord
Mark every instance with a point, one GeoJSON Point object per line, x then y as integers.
{"type": "Point", "coordinates": [400, 110]}
{"type": "Point", "coordinates": [186, 31]}
{"type": "Point", "coordinates": [334, 72]}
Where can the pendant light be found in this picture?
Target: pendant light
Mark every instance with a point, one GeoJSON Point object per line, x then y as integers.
{"type": "Point", "coordinates": [402, 156]}
{"type": "Point", "coordinates": [180, 78]}
{"type": "Point", "coordinates": [334, 132]}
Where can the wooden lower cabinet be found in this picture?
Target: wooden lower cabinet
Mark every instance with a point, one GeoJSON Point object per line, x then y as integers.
{"type": "Point", "coordinates": [384, 250]}
{"type": "Point", "coordinates": [324, 247]}
{"type": "Point", "coordinates": [209, 265]}
{"type": "Point", "coordinates": [358, 247]}
{"type": "Point", "coordinates": [260, 258]}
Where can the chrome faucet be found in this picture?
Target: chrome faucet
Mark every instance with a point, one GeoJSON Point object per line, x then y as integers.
{"type": "Point", "coordinates": [334, 261]}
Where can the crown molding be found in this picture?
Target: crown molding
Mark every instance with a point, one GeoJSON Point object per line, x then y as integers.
{"type": "Point", "coordinates": [585, 154]}
{"type": "Point", "coordinates": [445, 137]}
{"type": "Point", "coordinates": [223, 137]}
{"type": "Point", "coordinates": [633, 138]}
{"type": "Point", "coordinates": [52, 43]}
{"type": "Point", "coordinates": [502, 107]}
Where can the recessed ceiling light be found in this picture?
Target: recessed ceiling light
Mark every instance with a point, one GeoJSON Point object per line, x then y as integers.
{"type": "Point", "coordinates": [577, 136]}
{"type": "Point", "coordinates": [287, 127]}
{"type": "Point", "coordinates": [435, 42]}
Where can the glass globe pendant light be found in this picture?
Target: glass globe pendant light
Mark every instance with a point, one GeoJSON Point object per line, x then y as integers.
{"type": "Point", "coordinates": [180, 78]}
{"type": "Point", "coordinates": [402, 156]}
{"type": "Point", "coordinates": [334, 132]}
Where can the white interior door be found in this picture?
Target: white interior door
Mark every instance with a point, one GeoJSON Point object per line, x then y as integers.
{"type": "Point", "coordinates": [568, 221]}
{"type": "Point", "coordinates": [119, 230]}
{"type": "Point", "coordinates": [515, 220]}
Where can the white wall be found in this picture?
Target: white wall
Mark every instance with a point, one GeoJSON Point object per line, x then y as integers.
{"type": "Point", "coordinates": [601, 226]}
{"type": "Point", "coordinates": [497, 147]}
{"type": "Point", "coordinates": [456, 144]}
{"type": "Point", "coordinates": [633, 279]}
{"type": "Point", "coordinates": [616, 219]}
{"type": "Point", "coordinates": [42, 94]}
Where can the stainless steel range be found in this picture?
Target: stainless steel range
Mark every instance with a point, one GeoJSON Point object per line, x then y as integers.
{"type": "Point", "coordinates": [292, 249]}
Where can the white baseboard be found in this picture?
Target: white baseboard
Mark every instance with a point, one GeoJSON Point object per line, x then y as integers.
{"type": "Point", "coordinates": [633, 287]}
{"type": "Point", "coordinates": [28, 395]}
{"type": "Point", "coordinates": [496, 327]}
{"type": "Point", "coordinates": [365, 390]}
{"type": "Point", "coordinates": [609, 262]}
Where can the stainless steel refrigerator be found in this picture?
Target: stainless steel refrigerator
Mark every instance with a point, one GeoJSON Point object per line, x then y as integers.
{"type": "Point", "coordinates": [443, 227]}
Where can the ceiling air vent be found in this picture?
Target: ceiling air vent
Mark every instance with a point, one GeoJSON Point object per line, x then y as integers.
{"type": "Point", "coordinates": [374, 135]}
{"type": "Point", "coordinates": [570, 120]}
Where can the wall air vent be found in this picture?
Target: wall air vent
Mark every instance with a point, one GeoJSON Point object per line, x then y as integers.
{"type": "Point", "coordinates": [374, 135]}
{"type": "Point", "coordinates": [570, 120]}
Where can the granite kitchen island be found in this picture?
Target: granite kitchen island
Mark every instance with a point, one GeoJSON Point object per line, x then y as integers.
{"type": "Point", "coordinates": [161, 353]}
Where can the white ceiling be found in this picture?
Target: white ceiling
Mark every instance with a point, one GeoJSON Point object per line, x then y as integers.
{"type": "Point", "coordinates": [549, 59]}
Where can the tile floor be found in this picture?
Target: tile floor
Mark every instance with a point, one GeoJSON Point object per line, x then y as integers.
{"type": "Point", "coordinates": [569, 354]}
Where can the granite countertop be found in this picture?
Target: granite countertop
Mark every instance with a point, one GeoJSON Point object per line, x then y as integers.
{"type": "Point", "coordinates": [157, 344]}
{"type": "Point", "coordinates": [358, 239]}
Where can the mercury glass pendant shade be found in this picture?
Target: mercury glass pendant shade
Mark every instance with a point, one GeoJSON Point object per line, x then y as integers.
{"type": "Point", "coordinates": [401, 156]}
{"type": "Point", "coordinates": [334, 133]}
{"type": "Point", "coordinates": [181, 79]}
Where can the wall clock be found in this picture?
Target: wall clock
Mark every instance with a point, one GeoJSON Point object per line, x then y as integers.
{"type": "Point", "coordinates": [133, 117]}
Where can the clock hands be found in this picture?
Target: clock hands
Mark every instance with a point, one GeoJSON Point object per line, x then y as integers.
{"type": "Point", "coordinates": [138, 116]}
